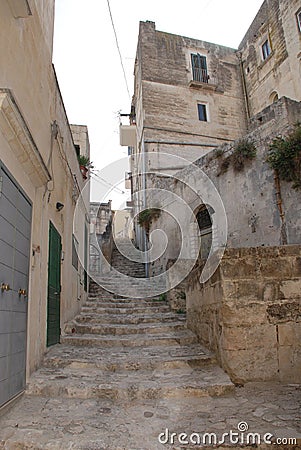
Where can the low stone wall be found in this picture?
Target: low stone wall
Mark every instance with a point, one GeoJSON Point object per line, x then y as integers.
{"type": "Point", "coordinates": [249, 313]}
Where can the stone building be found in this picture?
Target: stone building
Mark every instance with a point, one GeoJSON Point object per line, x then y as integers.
{"type": "Point", "coordinates": [42, 248]}
{"type": "Point", "coordinates": [198, 101]}
{"type": "Point", "coordinates": [270, 55]}
{"type": "Point", "coordinates": [191, 96]}
{"type": "Point", "coordinates": [188, 99]}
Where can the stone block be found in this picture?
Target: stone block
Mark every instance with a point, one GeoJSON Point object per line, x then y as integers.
{"type": "Point", "coordinates": [267, 252]}
{"type": "Point", "coordinates": [237, 314]}
{"type": "Point", "coordinates": [290, 250]}
{"type": "Point", "coordinates": [284, 312]}
{"type": "Point", "coordinates": [250, 365]}
{"type": "Point", "coordinates": [248, 290]}
{"type": "Point", "coordinates": [290, 364]}
{"type": "Point", "coordinates": [291, 289]}
{"type": "Point", "coordinates": [256, 337]}
{"type": "Point", "coordinates": [229, 290]}
{"type": "Point", "coordinates": [239, 268]}
{"type": "Point", "coordinates": [296, 267]}
{"type": "Point", "coordinates": [270, 292]}
{"type": "Point", "coordinates": [277, 268]}
{"type": "Point", "coordinates": [289, 334]}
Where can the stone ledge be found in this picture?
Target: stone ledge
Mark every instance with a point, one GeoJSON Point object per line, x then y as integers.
{"type": "Point", "coordinates": [19, 138]}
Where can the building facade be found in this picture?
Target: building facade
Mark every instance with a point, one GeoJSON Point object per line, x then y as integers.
{"type": "Point", "coordinates": [191, 96]}
{"type": "Point", "coordinates": [270, 55]}
{"type": "Point", "coordinates": [42, 248]}
{"type": "Point", "coordinates": [201, 102]}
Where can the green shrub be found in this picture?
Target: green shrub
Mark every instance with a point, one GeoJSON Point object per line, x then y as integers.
{"type": "Point", "coordinates": [285, 157]}
{"type": "Point", "coordinates": [243, 150]}
{"type": "Point", "coordinates": [146, 217]}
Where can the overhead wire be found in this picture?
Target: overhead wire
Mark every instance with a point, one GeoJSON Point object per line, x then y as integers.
{"type": "Point", "coordinates": [112, 186]}
{"type": "Point", "coordinates": [118, 48]}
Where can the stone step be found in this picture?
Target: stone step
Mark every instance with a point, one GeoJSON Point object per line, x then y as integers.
{"type": "Point", "coordinates": [95, 318]}
{"type": "Point", "coordinates": [120, 288]}
{"type": "Point", "coordinates": [130, 304]}
{"type": "Point", "coordinates": [124, 329]}
{"type": "Point", "coordinates": [130, 386]}
{"type": "Point", "coordinates": [109, 310]}
{"type": "Point", "coordinates": [185, 337]}
{"type": "Point", "coordinates": [148, 358]}
{"type": "Point", "coordinates": [128, 300]}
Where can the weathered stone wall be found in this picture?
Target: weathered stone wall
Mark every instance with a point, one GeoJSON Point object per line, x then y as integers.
{"type": "Point", "coordinates": [166, 102]}
{"type": "Point", "coordinates": [249, 313]}
{"type": "Point", "coordinates": [280, 72]}
{"type": "Point", "coordinates": [31, 101]}
{"type": "Point", "coordinates": [176, 297]}
{"type": "Point", "coordinates": [249, 196]}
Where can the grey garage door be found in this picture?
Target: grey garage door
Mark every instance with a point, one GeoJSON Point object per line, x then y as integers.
{"type": "Point", "coordinates": [15, 231]}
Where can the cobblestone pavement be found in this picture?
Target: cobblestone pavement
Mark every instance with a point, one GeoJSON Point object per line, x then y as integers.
{"type": "Point", "coordinates": [129, 375]}
{"type": "Point", "coordinates": [98, 424]}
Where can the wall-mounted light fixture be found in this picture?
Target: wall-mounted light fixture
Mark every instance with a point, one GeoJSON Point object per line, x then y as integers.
{"type": "Point", "coordinates": [59, 206]}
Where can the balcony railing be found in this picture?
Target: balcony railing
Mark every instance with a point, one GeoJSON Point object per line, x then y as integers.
{"type": "Point", "coordinates": [201, 79]}
{"type": "Point", "coordinates": [200, 75]}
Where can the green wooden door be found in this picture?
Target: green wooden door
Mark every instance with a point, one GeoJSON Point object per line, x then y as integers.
{"type": "Point", "coordinates": [54, 287]}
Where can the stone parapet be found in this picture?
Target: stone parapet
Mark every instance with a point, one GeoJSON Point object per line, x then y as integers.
{"type": "Point", "coordinates": [249, 313]}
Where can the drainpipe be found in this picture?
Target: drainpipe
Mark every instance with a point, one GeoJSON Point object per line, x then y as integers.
{"type": "Point", "coordinates": [244, 86]}
{"type": "Point", "coordinates": [144, 202]}
{"type": "Point", "coordinates": [283, 235]}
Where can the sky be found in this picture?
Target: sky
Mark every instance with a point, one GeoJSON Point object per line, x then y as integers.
{"type": "Point", "coordinates": [88, 65]}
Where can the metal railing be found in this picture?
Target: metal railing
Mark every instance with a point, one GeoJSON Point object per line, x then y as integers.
{"type": "Point", "coordinates": [200, 75]}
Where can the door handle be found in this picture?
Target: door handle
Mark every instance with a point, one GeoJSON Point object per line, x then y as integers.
{"type": "Point", "coordinates": [22, 292]}
{"type": "Point", "coordinates": [5, 287]}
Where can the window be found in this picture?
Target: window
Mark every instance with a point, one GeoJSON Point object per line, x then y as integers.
{"type": "Point", "coordinates": [202, 111]}
{"type": "Point", "coordinates": [266, 49]}
{"type": "Point", "coordinates": [298, 16]}
{"type": "Point", "coordinates": [273, 97]}
{"type": "Point", "coordinates": [205, 226]}
{"type": "Point", "coordinates": [199, 68]}
{"type": "Point", "coordinates": [74, 252]}
{"type": "Point", "coordinates": [203, 219]}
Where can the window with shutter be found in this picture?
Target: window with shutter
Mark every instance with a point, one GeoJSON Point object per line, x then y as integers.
{"type": "Point", "coordinates": [199, 68]}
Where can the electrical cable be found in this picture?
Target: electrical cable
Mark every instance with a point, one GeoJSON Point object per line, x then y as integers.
{"type": "Point", "coordinates": [112, 186]}
{"type": "Point", "coordinates": [118, 48]}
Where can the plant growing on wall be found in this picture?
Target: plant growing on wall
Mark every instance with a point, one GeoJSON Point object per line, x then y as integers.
{"type": "Point", "coordinates": [85, 164]}
{"type": "Point", "coordinates": [285, 157]}
{"type": "Point", "coordinates": [146, 217]}
{"type": "Point", "coordinates": [243, 151]}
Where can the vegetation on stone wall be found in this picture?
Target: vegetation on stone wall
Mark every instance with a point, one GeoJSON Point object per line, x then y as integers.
{"type": "Point", "coordinates": [146, 217]}
{"type": "Point", "coordinates": [285, 157]}
{"type": "Point", "coordinates": [243, 150]}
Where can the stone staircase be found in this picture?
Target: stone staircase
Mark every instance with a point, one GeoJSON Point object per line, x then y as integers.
{"type": "Point", "coordinates": [125, 276]}
{"type": "Point", "coordinates": [117, 352]}
{"type": "Point", "coordinates": [124, 259]}
{"type": "Point", "coordinates": [126, 349]}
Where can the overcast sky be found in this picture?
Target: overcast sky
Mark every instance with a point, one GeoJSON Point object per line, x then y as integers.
{"type": "Point", "coordinates": [88, 65]}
